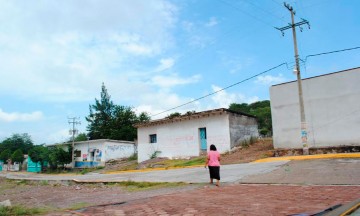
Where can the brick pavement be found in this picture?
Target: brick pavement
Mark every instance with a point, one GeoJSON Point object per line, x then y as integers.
{"type": "Point", "coordinates": [236, 199]}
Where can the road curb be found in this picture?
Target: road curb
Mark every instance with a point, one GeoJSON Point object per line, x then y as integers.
{"type": "Point", "coordinates": [310, 157]}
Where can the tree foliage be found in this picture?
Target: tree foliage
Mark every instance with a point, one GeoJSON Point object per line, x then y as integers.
{"type": "Point", "coordinates": [81, 137]}
{"type": "Point", "coordinates": [173, 115]}
{"type": "Point", "coordinates": [110, 121]}
{"type": "Point", "coordinates": [17, 156]}
{"type": "Point", "coordinates": [59, 157]}
{"type": "Point", "coordinates": [39, 153]}
{"type": "Point", "coordinates": [5, 155]}
{"type": "Point", "coordinates": [17, 141]}
{"type": "Point", "coordinates": [260, 109]}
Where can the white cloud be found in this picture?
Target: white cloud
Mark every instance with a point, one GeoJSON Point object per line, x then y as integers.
{"type": "Point", "coordinates": [212, 22]}
{"type": "Point", "coordinates": [165, 64]}
{"type": "Point", "coordinates": [223, 99]}
{"type": "Point", "coordinates": [270, 80]}
{"type": "Point", "coordinates": [66, 56]}
{"type": "Point", "coordinates": [173, 80]}
{"type": "Point", "coordinates": [20, 117]}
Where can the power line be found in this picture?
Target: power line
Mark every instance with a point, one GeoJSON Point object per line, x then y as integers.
{"type": "Point", "coordinates": [268, 12]}
{"type": "Point", "coordinates": [215, 92]}
{"type": "Point", "coordinates": [326, 53]}
{"type": "Point", "coordinates": [239, 9]}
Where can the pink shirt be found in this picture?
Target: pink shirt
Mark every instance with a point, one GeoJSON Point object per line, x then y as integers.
{"type": "Point", "coordinates": [213, 157]}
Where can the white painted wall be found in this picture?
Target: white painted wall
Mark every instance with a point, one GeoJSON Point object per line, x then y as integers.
{"type": "Point", "coordinates": [332, 110]}
{"type": "Point", "coordinates": [104, 150]}
{"type": "Point", "coordinates": [118, 150]}
{"type": "Point", "coordinates": [181, 139]}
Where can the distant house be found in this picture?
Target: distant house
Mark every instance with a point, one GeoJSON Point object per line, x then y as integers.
{"type": "Point", "coordinates": [95, 153]}
{"type": "Point", "coordinates": [190, 135]}
{"type": "Point", "coordinates": [332, 111]}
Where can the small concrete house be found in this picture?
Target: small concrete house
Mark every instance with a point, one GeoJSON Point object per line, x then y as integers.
{"type": "Point", "coordinates": [190, 135]}
{"type": "Point", "coordinates": [332, 111]}
{"type": "Point", "coordinates": [95, 153]}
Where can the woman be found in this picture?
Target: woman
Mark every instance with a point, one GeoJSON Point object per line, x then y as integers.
{"type": "Point", "coordinates": [213, 162]}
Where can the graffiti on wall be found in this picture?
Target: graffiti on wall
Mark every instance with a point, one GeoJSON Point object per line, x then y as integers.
{"type": "Point", "coordinates": [98, 154]}
{"type": "Point", "coordinates": [119, 148]}
{"type": "Point", "coordinates": [84, 157]}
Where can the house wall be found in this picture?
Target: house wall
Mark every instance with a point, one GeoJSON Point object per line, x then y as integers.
{"type": "Point", "coordinates": [116, 150]}
{"type": "Point", "coordinates": [104, 150]}
{"type": "Point", "coordinates": [332, 111]}
{"type": "Point", "coordinates": [241, 128]}
{"type": "Point", "coordinates": [181, 139]}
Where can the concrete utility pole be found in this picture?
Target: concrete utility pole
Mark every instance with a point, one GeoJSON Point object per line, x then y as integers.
{"type": "Point", "coordinates": [73, 132]}
{"type": "Point", "coordinates": [304, 142]}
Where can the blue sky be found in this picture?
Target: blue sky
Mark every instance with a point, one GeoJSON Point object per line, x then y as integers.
{"type": "Point", "coordinates": [155, 55]}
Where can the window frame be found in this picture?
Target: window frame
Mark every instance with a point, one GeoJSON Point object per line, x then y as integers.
{"type": "Point", "coordinates": [152, 138]}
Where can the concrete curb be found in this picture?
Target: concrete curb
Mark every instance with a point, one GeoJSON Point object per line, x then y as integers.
{"type": "Point", "coordinates": [310, 157]}
{"type": "Point", "coordinates": [152, 169]}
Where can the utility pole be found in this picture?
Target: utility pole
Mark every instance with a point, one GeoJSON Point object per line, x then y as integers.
{"type": "Point", "coordinates": [293, 25]}
{"type": "Point", "coordinates": [74, 122]}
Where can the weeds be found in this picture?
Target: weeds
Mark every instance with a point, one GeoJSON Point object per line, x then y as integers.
{"type": "Point", "coordinates": [247, 142]}
{"type": "Point", "coordinates": [79, 205]}
{"type": "Point", "coordinates": [20, 210]}
{"type": "Point", "coordinates": [133, 157]}
{"type": "Point", "coordinates": [155, 154]}
{"type": "Point", "coordinates": [136, 186]}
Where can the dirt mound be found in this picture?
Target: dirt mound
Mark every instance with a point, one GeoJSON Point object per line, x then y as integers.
{"type": "Point", "coordinates": [262, 148]}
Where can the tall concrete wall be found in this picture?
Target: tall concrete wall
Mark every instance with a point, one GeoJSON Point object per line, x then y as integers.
{"type": "Point", "coordinates": [181, 139]}
{"type": "Point", "coordinates": [332, 110]}
{"type": "Point", "coordinates": [241, 128]}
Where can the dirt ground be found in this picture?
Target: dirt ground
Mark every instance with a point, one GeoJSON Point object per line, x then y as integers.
{"type": "Point", "coordinates": [258, 150]}
{"type": "Point", "coordinates": [68, 195]}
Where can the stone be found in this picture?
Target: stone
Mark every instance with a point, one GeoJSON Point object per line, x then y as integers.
{"type": "Point", "coordinates": [5, 203]}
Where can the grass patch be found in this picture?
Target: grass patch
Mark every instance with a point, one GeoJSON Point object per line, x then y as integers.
{"type": "Point", "coordinates": [139, 186]}
{"type": "Point", "coordinates": [20, 210]}
{"type": "Point", "coordinates": [87, 170]}
{"type": "Point", "coordinates": [133, 157]}
{"type": "Point", "coordinates": [181, 162]}
{"type": "Point", "coordinates": [79, 205]}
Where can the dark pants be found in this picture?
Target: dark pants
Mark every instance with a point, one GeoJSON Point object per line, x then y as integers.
{"type": "Point", "coordinates": [214, 172]}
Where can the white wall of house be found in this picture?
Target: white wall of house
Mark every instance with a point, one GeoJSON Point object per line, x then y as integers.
{"type": "Point", "coordinates": [181, 139]}
{"type": "Point", "coordinates": [102, 150]}
{"type": "Point", "coordinates": [332, 111]}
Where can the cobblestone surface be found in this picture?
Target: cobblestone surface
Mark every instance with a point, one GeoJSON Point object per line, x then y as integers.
{"type": "Point", "coordinates": [234, 200]}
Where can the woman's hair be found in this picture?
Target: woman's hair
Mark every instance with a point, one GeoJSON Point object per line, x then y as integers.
{"type": "Point", "coordinates": [212, 147]}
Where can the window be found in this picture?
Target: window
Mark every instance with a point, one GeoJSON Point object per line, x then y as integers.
{"type": "Point", "coordinates": [152, 138]}
{"type": "Point", "coordinates": [77, 153]}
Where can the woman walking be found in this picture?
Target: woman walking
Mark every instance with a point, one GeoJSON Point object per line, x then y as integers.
{"type": "Point", "coordinates": [213, 162]}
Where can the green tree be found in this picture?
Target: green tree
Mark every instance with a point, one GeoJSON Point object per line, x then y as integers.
{"type": "Point", "coordinates": [17, 141]}
{"type": "Point", "coordinates": [39, 153]}
{"type": "Point", "coordinates": [109, 121]}
{"type": "Point", "coordinates": [5, 155]}
{"type": "Point", "coordinates": [260, 109]}
{"type": "Point", "coordinates": [100, 117]}
{"type": "Point", "coordinates": [173, 115]}
{"type": "Point", "coordinates": [59, 157]}
{"type": "Point", "coordinates": [17, 156]}
{"type": "Point", "coordinates": [81, 137]}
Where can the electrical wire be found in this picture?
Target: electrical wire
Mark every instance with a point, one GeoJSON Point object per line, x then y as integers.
{"type": "Point", "coordinates": [266, 11]}
{"type": "Point", "coordinates": [326, 53]}
{"type": "Point", "coordinates": [239, 9]}
{"type": "Point", "coordinates": [215, 92]}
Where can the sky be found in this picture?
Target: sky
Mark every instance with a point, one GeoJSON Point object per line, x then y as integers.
{"type": "Point", "coordinates": [156, 55]}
